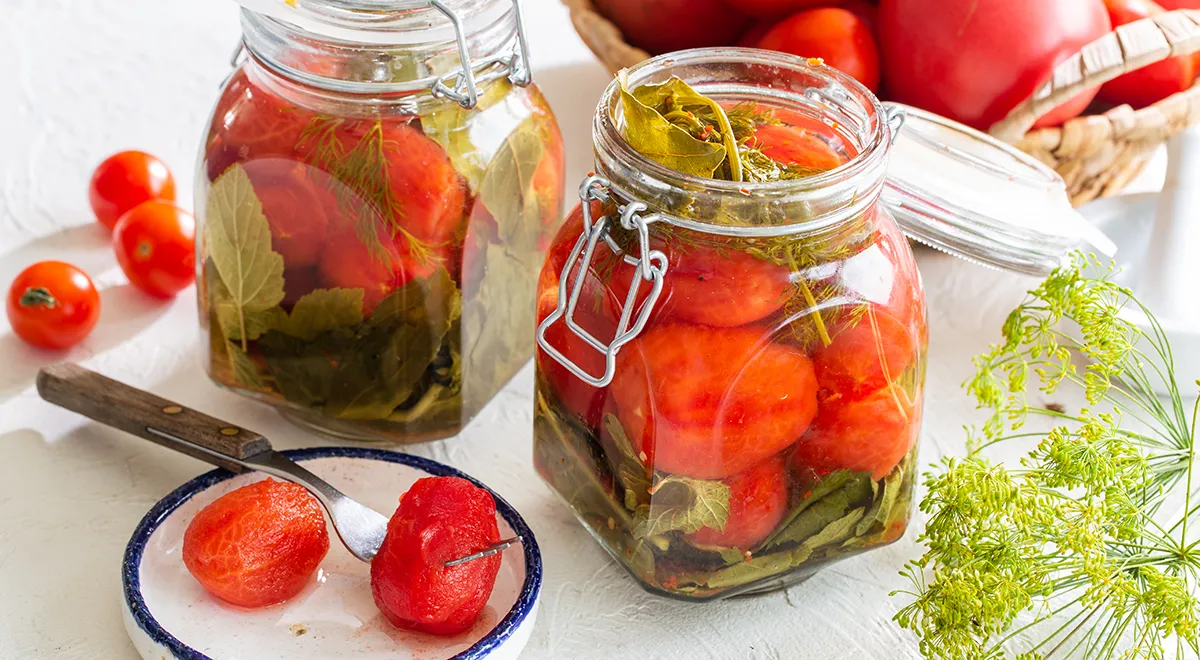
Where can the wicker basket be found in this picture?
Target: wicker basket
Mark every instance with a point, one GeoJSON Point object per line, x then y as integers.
{"type": "Point", "coordinates": [1096, 154]}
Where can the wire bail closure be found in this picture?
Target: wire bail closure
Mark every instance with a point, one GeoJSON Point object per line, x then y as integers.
{"type": "Point", "coordinates": [462, 86]}
{"type": "Point", "coordinates": [651, 266]}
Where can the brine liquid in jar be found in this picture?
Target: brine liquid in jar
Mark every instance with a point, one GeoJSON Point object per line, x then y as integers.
{"type": "Point", "coordinates": [369, 255]}
{"type": "Point", "coordinates": [762, 422]}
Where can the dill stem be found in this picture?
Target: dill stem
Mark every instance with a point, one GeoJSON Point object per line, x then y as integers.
{"type": "Point", "coordinates": [1074, 630]}
{"type": "Point", "coordinates": [727, 136]}
{"type": "Point", "coordinates": [822, 331]}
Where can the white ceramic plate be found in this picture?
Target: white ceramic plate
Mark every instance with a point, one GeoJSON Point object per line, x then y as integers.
{"type": "Point", "coordinates": [168, 614]}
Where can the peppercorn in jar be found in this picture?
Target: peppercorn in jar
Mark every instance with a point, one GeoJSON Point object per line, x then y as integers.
{"type": "Point", "coordinates": [378, 185]}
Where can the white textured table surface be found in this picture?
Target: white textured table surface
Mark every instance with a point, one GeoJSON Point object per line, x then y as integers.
{"type": "Point", "coordinates": [84, 79]}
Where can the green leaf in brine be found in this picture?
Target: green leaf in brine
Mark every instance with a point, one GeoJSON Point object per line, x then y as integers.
{"type": "Point", "coordinates": [837, 531]}
{"type": "Point", "coordinates": [244, 369]}
{"type": "Point", "coordinates": [239, 245]}
{"type": "Point", "coordinates": [831, 499]}
{"type": "Point", "coordinates": [631, 472]}
{"type": "Point", "coordinates": [751, 570]}
{"type": "Point", "coordinates": [497, 321]}
{"type": "Point", "coordinates": [303, 370]}
{"type": "Point", "coordinates": [507, 192]}
{"type": "Point", "coordinates": [685, 505]}
{"type": "Point", "coordinates": [450, 126]}
{"type": "Point", "coordinates": [881, 511]}
{"type": "Point", "coordinates": [389, 357]}
{"type": "Point", "coordinates": [320, 311]}
{"type": "Point", "coordinates": [651, 135]}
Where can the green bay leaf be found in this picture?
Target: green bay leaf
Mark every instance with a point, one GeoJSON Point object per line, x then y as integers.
{"type": "Point", "coordinates": [882, 509]}
{"type": "Point", "coordinates": [830, 501]}
{"type": "Point", "coordinates": [837, 531]}
{"type": "Point", "coordinates": [651, 135]}
{"type": "Point", "coordinates": [450, 126]}
{"type": "Point", "coordinates": [751, 570]}
{"type": "Point", "coordinates": [507, 191]}
{"type": "Point", "coordinates": [239, 244]}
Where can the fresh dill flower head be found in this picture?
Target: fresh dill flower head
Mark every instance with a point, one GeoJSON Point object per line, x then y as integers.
{"type": "Point", "coordinates": [1068, 554]}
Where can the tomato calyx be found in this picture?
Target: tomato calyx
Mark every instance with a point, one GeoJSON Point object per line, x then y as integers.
{"type": "Point", "coordinates": [38, 296]}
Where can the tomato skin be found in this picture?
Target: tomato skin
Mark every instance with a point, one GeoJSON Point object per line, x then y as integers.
{"type": "Point", "coordinates": [155, 244]}
{"type": "Point", "coordinates": [439, 519]}
{"type": "Point", "coordinates": [693, 23]}
{"type": "Point", "coordinates": [757, 503]}
{"type": "Point", "coordinates": [777, 8]}
{"type": "Point", "coordinates": [710, 402]}
{"type": "Point", "coordinates": [975, 61]}
{"type": "Point", "coordinates": [126, 179]}
{"type": "Point", "coordinates": [1152, 83]}
{"type": "Point", "coordinates": [257, 545]}
{"type": "Point", "coordinates": [53, 305]}
{"type": "Point", "coordinates": [836, 36]}
{"type": "Point", "coordinates": [796, 146]}
{"type": "Point", "coordinates": [869, 434]}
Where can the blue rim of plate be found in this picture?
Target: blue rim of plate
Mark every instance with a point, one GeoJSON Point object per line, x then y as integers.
{"type": "Point", "coordinates": [167, 505]}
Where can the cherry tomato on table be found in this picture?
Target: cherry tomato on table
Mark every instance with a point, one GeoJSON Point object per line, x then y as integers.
{"type": "Point", "coordinates": [125, 180]}
{"type": "Point", "coordinates": [53, 305]}
{"type": "Point", "coordinates": [155, 244]}
{"type": "Point", "coordinates": [975, 61]}
{"type": "Point", "coordinates": [835, 35]}
{"type": "Point", "coordinates": [1152, 83]}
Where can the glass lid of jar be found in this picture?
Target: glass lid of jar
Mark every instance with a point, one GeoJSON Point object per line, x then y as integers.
{"type": "Point", "coordinates": [968, 194]}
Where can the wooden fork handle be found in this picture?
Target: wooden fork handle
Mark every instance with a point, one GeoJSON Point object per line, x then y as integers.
{"type": "Point", "coordinates": [147, 416]}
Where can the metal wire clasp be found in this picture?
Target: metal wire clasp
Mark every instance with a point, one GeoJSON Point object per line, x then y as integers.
{"type": "Point", "coordinates": [462, 86]}
{"type": "Point", "coordinates": [651, 266]}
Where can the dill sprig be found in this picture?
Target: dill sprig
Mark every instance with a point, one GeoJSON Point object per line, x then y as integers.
{"type": "Point", "coordinates": [1071, 553]}
{"type": "Point", "coordinates": [358, 178]}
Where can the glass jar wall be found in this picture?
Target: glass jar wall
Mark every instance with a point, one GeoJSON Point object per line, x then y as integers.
{"type": "Point", "coordinates": [763, 421]}
{"type": "Point", "coordinates": [369, 249]}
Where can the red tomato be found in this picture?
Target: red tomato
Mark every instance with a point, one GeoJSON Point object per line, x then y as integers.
{"type": "Point", "coordinates": [431, 195]}
{"type": "Point", "coordinates": [710, 285]}
{"type": "Point", "coordinates": [155, 244]}
{"type": "Point", "coordinates": [297, 201]}
{"type": "Point", "coordinates": [250, 122]}
{"type": "Point", "coordinates": [1179, 4]}
{"type": "Point", "coordinates": [866, 355]}
{"type": "Point", "coordinates": [1153, 83]}
{"type": "Point", "coordinates": [711, 402]}
{"type": "Point", "coordinates": [297, 282]}
{"type": "Point", "coordinates": [757, 503]}
{"type": "Point", "coordinates": [867, 12]}
{"type": "Point", "coordinates": [257, 545]}
{"type": "Point", "coordinates": [836, 36]}
{"type": "Point", "coordinates": [439, 519]}
{"type": "Point", "coordinates": [594, 313]}
{"type": "Point", "coordinates": [53, 305]}
{"type": "Point", "coordinates": [125, 180]}
{"type": "Point", "coordinates": [755, 34]}
{"type": "Point", "coordinates": [871, 434]}
{"type": "Point", "coordinates": [792, 145]}
{"type": "Point", "coordinates": [777, 8]}
{"type": "Point", "coordinates": [662, 26]}
{"type": "Point", "coordinates": [975, 61]}
{"type": "Point", "coordinates": [347, 262]}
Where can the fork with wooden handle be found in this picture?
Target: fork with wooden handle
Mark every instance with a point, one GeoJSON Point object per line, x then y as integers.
{"type": "Point", "coordinates": [225, 445]}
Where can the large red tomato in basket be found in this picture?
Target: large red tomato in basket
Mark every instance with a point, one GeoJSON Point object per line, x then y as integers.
{"type": "Point", "coordinates": [974, 61]}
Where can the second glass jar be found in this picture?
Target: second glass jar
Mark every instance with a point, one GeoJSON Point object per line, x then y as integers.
{"type": "Point", "coordinates": [761, 415]}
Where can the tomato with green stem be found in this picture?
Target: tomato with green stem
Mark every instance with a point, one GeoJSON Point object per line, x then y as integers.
{"type": "Point", "coordinates": [53, 305]}
{"type": "Point", "coordinates": [710, 402]}
{"type": "Point", "coordinates": [125, 180]}
{"type": "Point", "coordinates": [155, 244]}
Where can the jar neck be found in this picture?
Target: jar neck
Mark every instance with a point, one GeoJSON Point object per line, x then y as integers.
{"type": "Point", "coordinates": [776, 80]}
{"type": "Point", "coordinates": [408, 58]}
